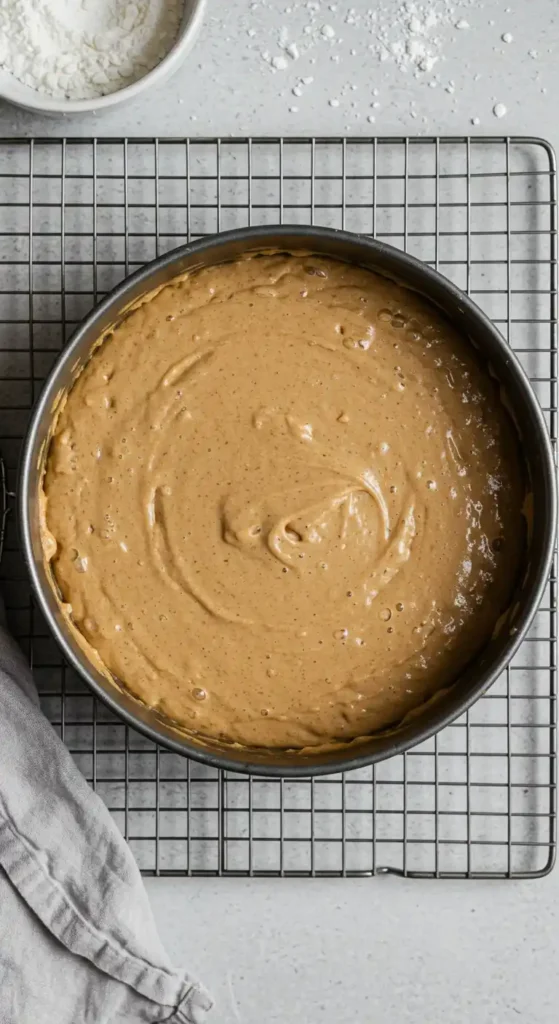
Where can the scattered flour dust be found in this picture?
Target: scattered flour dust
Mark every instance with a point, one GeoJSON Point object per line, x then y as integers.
{"type": "Point", "coordinates": [408, 33]}
{"type": "Point", "coordinates": [412, 33]}
{"type": "Point", "coordinates": [83, 49]}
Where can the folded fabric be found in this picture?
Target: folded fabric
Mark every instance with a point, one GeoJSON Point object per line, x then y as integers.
{"type": "Point", "coordinates": [78, 943]}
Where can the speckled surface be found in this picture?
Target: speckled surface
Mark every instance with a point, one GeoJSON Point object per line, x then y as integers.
{"type": "Point", "coordinates": [386, 950]}
{"type": "Point", "coordinates": [372, 951]}
{"type": "Point", "coordinates": [227, 87]}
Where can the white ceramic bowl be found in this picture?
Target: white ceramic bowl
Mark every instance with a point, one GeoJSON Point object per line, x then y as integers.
{"type": "Point", "coordinates": [23, 96]}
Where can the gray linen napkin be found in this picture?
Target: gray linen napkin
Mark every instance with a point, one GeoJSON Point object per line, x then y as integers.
{"type": "Point", "coordinates": [78, 943]}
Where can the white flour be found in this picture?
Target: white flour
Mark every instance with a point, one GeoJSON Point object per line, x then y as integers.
{"type": "Point", "coordinates": [408, 33]}
{"type": "Point", "coordinates": [83, 49]}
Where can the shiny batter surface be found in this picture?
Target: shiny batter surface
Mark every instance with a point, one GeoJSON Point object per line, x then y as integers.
{"type": "Point", "coordinates": [283, 502]}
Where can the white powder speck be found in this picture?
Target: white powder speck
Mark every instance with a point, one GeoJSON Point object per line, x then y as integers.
{"type": "Point", "coordinates": [410, 33]}
{"type": "Point", "coordinates": [334, 103]}
{"type": "Point", "coordinates": [293, 110]}
{"type": "Point", "coordinates": [507, 37]}
{"type": "Point", "coordinates": [307, 80]}
{"type": "Point", "coordinates": [475, 120]}
{"type": "Point", "coordinates": [499, 110]}
{"type": "Point", "coordinates": [428, 63]}
{"type": "Point", "coordinates": [251, 32]}
{"type": "Point", "coordinates": [371, 119]}
{"type": "Point", "coordinates": [533, 54]}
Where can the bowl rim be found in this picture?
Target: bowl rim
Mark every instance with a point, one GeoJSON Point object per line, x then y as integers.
{"type": "Point", "coordinates": [348, 758]}
{"type": "Point", "coordinates": [39, 103]}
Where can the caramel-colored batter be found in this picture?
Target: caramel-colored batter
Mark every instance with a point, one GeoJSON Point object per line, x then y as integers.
{"type": "Point", "coordinates": [283, 502]}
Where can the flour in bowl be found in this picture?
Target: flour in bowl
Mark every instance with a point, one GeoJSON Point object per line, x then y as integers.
{"type": "Point", "coordinates": [84, 49]}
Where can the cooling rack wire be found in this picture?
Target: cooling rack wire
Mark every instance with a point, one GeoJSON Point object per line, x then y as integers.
{"type": "Point", "coordinates": [76, 216]}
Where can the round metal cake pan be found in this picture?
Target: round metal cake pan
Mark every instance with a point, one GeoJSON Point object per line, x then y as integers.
{"type": "Point", "coordinates": [501, 362]}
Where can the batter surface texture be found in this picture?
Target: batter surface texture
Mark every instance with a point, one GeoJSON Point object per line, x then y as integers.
{"type": "Point", "coordinates": [283, 502]}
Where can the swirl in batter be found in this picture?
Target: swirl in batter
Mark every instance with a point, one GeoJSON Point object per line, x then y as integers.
{"type": "Point", "coordinates": [283, 502]}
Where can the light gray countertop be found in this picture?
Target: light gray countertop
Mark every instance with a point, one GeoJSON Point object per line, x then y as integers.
{"type": "Point", "coordinates": [371, 951]}
{"type": "Point", "coordinates": [385, 950]}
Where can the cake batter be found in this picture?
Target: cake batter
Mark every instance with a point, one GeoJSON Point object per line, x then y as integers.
{"type": "Point", "coordinates": [283, 502]}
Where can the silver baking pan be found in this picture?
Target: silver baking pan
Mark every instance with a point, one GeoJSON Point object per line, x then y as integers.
{"type": "Point", "coordinates": [525, 411]}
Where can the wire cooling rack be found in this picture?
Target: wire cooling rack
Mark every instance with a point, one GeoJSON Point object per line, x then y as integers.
{"type": "Point", "coordinates": [76, 216]}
